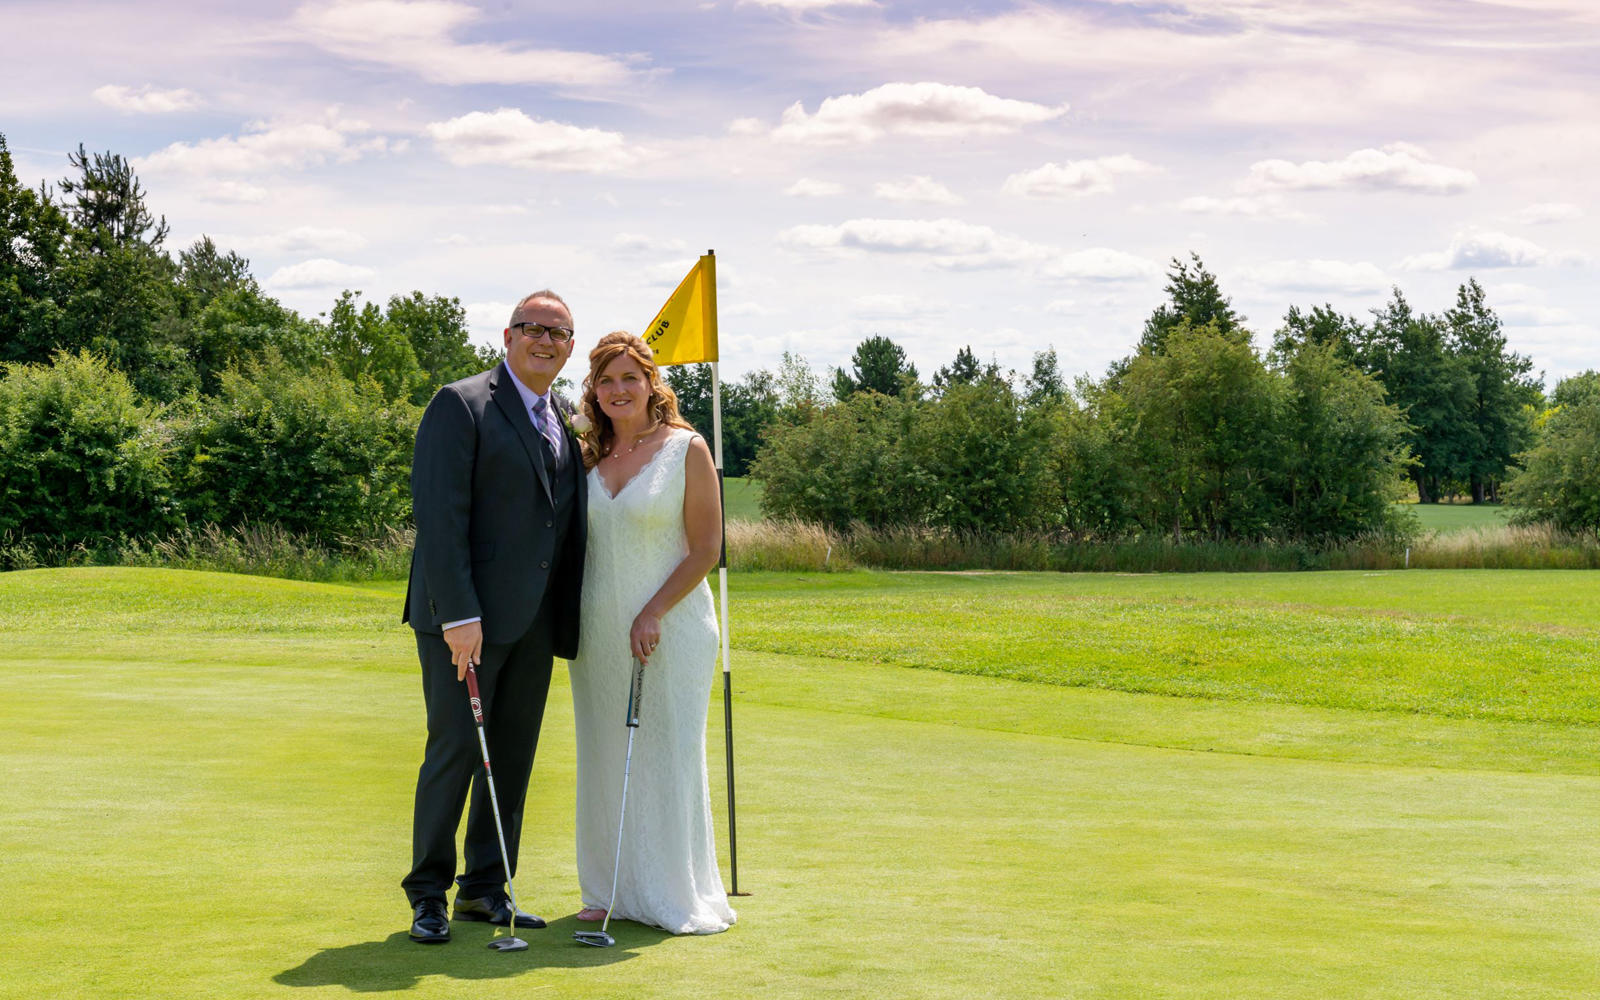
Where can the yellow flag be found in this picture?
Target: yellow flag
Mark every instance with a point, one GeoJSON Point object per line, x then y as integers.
{"type": "Point", "coordinates": [685, 330]}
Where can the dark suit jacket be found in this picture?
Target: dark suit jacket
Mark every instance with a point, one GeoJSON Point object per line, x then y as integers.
{"type": "Point", "coordinates": [488, 542]}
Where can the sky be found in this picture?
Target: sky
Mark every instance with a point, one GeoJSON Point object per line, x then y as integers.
{"type": "Point", "coordinates": [1006, 176]}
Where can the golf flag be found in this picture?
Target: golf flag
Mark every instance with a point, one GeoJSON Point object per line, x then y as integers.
{"type": "Point", "coordinates": [684, 332]}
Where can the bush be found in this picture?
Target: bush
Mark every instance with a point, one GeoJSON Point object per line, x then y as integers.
{"type": "Point", "coordinates": [82, 458]}
{"type": "Point", "coordinates": [1559, 483]}
{"type": "Point", "coordinates": [850, 463]}
{"type": "Point", "coordinates": [985, 461]}
{"type": "Point", "coordinates": [312, 452]}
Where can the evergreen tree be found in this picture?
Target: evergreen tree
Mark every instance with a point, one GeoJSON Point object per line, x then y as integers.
{"type": "Point", "coordinates": [1195, 299]}
{"type": "Point", "coordinates": [1502, 396]}
{"type": "Point", "coordinates": [878, 365]}
{"type": "Point", "coordinates": [964, 370]}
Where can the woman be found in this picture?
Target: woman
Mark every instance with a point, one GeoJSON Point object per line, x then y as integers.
{"type": "Point", "coordinates": [655, 528]}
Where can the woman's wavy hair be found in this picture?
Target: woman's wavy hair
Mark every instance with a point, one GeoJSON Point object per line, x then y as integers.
{"type": "Point", "coordinates": [600, 438]}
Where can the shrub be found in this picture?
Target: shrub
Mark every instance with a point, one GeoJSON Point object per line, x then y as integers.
{"type": "Point", "coordinates": [82, 458]}
{"type": "Point", "coordinates": [312, 452]}
{"type": "Point", "coordinates": [1559, 483]}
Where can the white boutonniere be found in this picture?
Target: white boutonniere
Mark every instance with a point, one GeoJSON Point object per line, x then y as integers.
{"type": "Point", "coordinates": [578, 424]}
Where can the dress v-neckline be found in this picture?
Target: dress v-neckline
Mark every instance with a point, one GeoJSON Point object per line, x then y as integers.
{"type": "Point", "coordinates": [637, 473]}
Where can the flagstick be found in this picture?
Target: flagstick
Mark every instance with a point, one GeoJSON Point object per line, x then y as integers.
{"type": "Point", "coordinates": [722, 583]}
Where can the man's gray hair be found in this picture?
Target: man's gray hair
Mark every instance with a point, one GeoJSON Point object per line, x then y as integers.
{"type": "Point", "coordinates": [543, 293]}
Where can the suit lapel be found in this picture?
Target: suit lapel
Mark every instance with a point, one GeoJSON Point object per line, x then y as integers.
{"type": "Point", "coordinates": [510, 402]}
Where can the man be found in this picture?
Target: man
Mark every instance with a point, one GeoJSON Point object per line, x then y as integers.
{"type": "Point", "coordinates": [498, 492]}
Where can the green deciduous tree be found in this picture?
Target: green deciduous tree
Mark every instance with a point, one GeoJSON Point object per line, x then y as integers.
{"type": "Point", "coordinates": [33, 241]}
{"type": "Point", "coordinates": [1342, 448]}
{"type": "Point", "coordinates": [1202, 413]}
{"type": "Point", "coordinates": [1410, 355]}
{"type": "Point", "coordinates": [1559, 482]}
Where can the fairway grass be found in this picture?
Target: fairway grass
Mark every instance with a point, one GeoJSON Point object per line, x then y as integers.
{"type": "Point", "coordinates": [218, 769]}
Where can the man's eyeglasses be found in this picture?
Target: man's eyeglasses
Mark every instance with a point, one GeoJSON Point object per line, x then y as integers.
{"type": "Point", "coordinates": [533, 331]}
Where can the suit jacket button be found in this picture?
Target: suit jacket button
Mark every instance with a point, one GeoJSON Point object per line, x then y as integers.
{"type": "Point", "coordinates": [549, 524]}
{"type": "Point", "coordinates": [544, 564]}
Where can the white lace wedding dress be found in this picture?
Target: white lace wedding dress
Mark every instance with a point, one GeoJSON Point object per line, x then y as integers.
{"type": "Point", "coordinates": [668, 875]}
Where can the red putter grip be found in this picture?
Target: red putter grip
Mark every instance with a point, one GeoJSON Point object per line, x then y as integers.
{"type": "Point", "coordinates": [472, 690]}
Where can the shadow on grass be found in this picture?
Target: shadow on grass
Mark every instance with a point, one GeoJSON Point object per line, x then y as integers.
{"type": "Point", "coordinates": [398, 963]}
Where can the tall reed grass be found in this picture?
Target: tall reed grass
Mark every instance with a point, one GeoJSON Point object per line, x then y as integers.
{"type": "Point", "coordinates": [790, 545]}
{"type": "Point", "coordinates": [795, 546]}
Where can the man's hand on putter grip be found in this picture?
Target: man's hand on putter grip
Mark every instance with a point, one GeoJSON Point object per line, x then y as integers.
{"type": "Point", "coordinates": [466, 646]}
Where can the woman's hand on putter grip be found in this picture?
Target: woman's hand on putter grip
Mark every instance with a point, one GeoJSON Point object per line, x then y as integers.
{"type": "Point", "coordinates": [645, 634]}
{"type": "Point", "coordinates": [466, 646]}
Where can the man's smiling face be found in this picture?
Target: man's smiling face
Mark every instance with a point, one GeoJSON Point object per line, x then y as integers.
{"type": "Point", "coordinates": [537, 360]}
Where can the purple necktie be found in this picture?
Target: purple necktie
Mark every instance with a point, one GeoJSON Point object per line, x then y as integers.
{"type": "Point", "coordinates": [546, 420]}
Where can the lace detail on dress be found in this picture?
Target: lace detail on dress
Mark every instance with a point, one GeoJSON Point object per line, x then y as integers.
{"type": "Point", "coordinates": [668, 875]}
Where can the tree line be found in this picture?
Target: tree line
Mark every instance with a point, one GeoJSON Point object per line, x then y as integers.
{"type": "Point", "coordinates": [1196, 433]}
{"type": "Point", "coordinates": [142, 391]}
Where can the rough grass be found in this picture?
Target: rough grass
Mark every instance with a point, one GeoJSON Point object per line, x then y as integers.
{"type": "Point", "coordinates": [218, 768]}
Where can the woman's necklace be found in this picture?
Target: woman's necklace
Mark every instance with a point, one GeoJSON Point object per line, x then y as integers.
{"type": "Point", "coordinates": [637, 440]}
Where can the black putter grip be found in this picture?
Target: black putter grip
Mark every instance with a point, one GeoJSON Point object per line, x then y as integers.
{"type": "Point", "coordinates": [634, 690]}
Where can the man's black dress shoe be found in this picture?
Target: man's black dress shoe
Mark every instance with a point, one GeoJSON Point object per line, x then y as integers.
{"type": "Point", "coordinates": [428, 923]}
{"type": "Point", "coordinates": [495, 910]}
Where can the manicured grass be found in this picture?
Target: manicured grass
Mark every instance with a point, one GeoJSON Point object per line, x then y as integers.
{"type": "Point", "coordinates": [743, 499]}
{"type": "Point", "coordinates": [219, 769]}
{"type": "Point", "coordinates": [1445, 517]}
{"type": "Point", "coordinates": [1515, 645]}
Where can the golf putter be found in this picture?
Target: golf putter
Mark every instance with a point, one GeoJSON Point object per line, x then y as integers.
{"type": "Point", "coordinates": [512, 943]}
{"type": "Point", "coordinates": [599, 938]}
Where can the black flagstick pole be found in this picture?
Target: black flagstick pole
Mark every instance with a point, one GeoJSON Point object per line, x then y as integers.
{"type": "Point", "coordinates": [722, 583]}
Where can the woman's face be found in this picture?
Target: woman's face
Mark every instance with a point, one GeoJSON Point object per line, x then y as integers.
{"type": "Point", "coordinates": [623, 389]}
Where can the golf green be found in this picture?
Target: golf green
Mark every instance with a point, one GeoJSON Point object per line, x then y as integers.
{"type": "Point", "coordinates": [207, 793]}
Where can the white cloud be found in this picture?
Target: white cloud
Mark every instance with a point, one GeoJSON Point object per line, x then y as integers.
{"type": "Point", "coordinates": [1075, 177]}
{"type": "Point", "coordinates": [270, 147]}
{"type": "Point", "coordinates": [744, 309]}
{"type": "Point", "coordinates": [1061, 307]}
{"type": "Point", "coordinates": [805, 187]}
{"type": "Point", "coordinates": [232, 193]}
{"type": "Point", "coordinates": [146, 100]}
{"type": "Point", "coordinates": [964, 246]}
{"type": "Point", "coordinates": [1397, 167]}
{"type": "Point", "coordinates": [1319, 276]}
{"type": "Point", "coordinates": [454, 240]}
{"type": "Point", "coordinates": [302, 240]}
{"type": "Point", "coordinates": [1244, 207]}
{"type": "Point", "coordinates": [917, 109]}
{"type": "Point", "coordinates": [1478, 248]}
{"type": "Point", "coordinates": [1528, 314]}
{"type": "Point", "coordinates": [944, 237]}
{"type": "Point", "coordinates": [320, 272]}
{"type": "Point", "coordinates": [916, 189]}
{"type": "Point", "coordinates": [1100, 264]}
{"type": "Point", "coordinates": [637, 245]}
{"type": "Point", "coordinates": [487, 320]}
{"type": "Point", "coordinates": [508, 137]}
{"type": "Point", "coordinates": [895, 306]}
{"type": "Point", "coordinates": [417, 35]}
{"type": "Point", "coordinates": [1547, 211]}
{"type": "Point", "coordinates": [807, 5]}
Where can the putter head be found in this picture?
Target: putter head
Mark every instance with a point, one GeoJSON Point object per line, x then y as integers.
{"type": "Point", "coordinates": [594, 939]}
{"type": "Point", "coordinates": [509, 944]}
